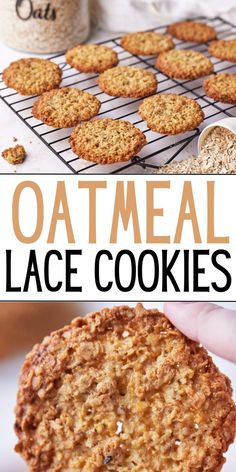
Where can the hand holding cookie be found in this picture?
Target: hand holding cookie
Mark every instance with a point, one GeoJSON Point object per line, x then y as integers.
{"type": "Point", "coordinates": [122, 389]}
{"type": "Point", "coordinates": [208, 324]}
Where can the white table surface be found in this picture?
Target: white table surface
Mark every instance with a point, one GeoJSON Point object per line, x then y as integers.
{"type": "Point", "coordinates": [9, 460]}
{"type": "Point", "coordinates": [40, 159]}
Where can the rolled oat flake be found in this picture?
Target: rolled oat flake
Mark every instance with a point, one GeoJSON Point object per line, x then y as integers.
{"type": "Point", "coordinates": [42, 26]}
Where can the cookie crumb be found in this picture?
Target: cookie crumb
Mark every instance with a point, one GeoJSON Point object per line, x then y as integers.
{"type": "Point", "coordinates": [15, 155]}
{"type": "Point", "coordinates": [14, 139]}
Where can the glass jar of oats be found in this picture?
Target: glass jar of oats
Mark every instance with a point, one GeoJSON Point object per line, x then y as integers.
{"type": "Point", "coordinates": [42, 26]}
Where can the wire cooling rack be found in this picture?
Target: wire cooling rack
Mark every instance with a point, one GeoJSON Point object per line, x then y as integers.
{"type": "Point", "coordinates": [160, 149]}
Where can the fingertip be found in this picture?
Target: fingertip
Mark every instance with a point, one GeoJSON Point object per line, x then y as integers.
{"type": "Point", "coordinates": [183, 316]}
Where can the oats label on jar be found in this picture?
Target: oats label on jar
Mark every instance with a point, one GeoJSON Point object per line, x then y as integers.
{"type": "Point", "coordinates": [25, 10]}
{"type": "Point", "coordinates": [44, 26]}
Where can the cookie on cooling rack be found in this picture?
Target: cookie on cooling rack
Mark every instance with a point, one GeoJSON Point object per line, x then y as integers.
{"type": "Point", "coordinates": [221, 87]}
{"type": "Point", "coordinates": [92, 58]}
{"type": "Point", "coordinates": [224, 49]}
{"type": "Point", "coordinates": [107, 141]}
{"type": "Point", "coordinates": [147, 43]}
{"type": "Point", "coordinates": [32, 76]}
{"type": "Point", "coordinates": [171, 114]}
{"type": "Point", "coordinates": [65, 107]}
{"type": "Point", "coordinates": [192, 31]}
{"type": "Point", "coordinates": [184, 64]}
{"type": "Point", "coordinates": [128, 82]}
{"type": "Point", "coordinates": [122, 389]}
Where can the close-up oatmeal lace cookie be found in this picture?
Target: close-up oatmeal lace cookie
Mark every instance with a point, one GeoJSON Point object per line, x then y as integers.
{"type": "Point", "coordinates": [128, 81]}
{"type": "Point", "coordinates": [32, 76]}
{"type": "Point", "coordinates": [15, 155]}
{"type": "Point", "coordinates": [92, 58]}
{"type": "Point", "coordinates": [192, 31]}
{"type": "Point", "coordinates": [123, 390]}
{"type": "Point", "coordinates": [184, 64]}
{"type": "Point", "coordinates": [171, 114]}
{"type": "Point", "coordinates": [66, 107]}
{"type": "Point", "coordinates": [147, 43]}
{"type": "Point", "coordinates": [107, 141]}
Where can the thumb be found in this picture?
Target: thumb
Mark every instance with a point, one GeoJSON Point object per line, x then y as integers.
{"type": "Point", "coordinates": [211, 325]}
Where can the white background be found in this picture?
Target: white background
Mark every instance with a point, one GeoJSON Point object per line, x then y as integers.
{"type": "Point", "coordinates": [168, 199]}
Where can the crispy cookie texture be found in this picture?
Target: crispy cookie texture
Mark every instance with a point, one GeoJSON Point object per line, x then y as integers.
{"type": "Point", "coordinates": [147, 43]}
{"type": "Point", "coordinates": [66, 107]}
{"type": "Point", "coordinates": [32, 76]}
{"type": "Point", "coordinates": [122, 389]}
{"type": "Point", "coordinates": [192, 31]}
{"type": "Point", "coordinates": [15, 155]}
{"type": "Point", "coordinates": [221, 87]}
{"type": "Point", "coordinates": [171, 114]}
{"type": "Point", "coordinates": [92, 58]}
{"type": "Point", "coordinates": [128, 81]}
{"type": "Point", "coordinates": [224, 49]}
{"type": "Point", "coordinates": [184, 64]}
{"type": "Point", "coordinates": [107, 141]}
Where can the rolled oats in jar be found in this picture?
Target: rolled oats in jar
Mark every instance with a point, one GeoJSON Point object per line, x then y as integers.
{"type": "Point", "coordinates": [42, 26]}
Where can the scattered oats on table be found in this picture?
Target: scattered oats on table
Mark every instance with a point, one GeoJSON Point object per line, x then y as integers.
{"type": "Point", "coordinates": [218, 156]}
{"type": "Point", "coordinates": [15, 155]}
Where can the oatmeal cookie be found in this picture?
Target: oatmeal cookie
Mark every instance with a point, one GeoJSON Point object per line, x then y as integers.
{"type": "Point", "coordinates": [147, 43]}
{"type": "Point", "coordinates": [32, 76]}
{"type": "Point", "coordinates": [14, 155]}
{"type": "Point", "coordinates": [224, 49]}
{"type": "Point", "coordinates": [66, 107]}
{"type": "Point", "coordinates": [171, 114]}
{"type": "Point", "coordinates": [92, 58]}
{"type": "Point", "coordinates": [128, 82]}
{"type": "Point", "coordinates": [107, 141]}
{"type": "Point", "coordinates": [221, 87]}
{"type": "Point", "coordinates": [192, 31]}
{"type": "Point", "coordinates": [184, 64]}
{"type": "Point", "coordinates": [123, 390]}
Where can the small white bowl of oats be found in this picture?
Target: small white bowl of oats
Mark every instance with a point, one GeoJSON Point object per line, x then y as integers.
{"type": "Point", "coordinates": [227, 126]}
